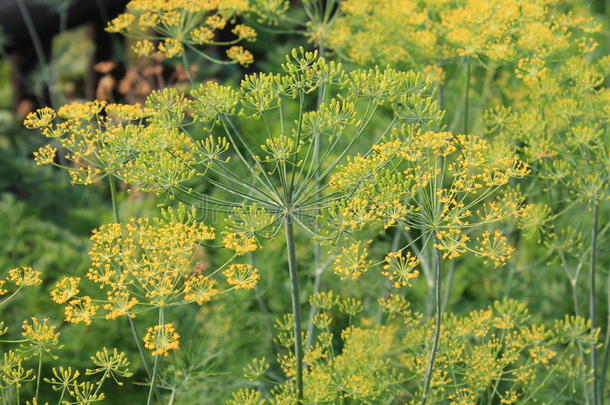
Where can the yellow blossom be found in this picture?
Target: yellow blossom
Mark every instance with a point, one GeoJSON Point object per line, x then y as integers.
{"type": "Point", "coordinates": [160, 339]}
{"type": "Point", "coordinates": [24, 276]}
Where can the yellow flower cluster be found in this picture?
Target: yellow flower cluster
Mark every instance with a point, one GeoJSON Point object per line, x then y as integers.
{"type": "Point", "coordinates": [160, 339]}
{"type": "Point", "coordinates": [240, 242]}
{"type": "Point", "coordinates": [446, 184]}
{"type": "Point", "coordinates": [147, 257]}
{"type": "Point", "coordinates": [242, 276]}
{"type": "Point", "coordinates": [352, 261]}
{"type": "Point", "coordinates": [559, 122]}
{"type": "Point", "coordinates": [494, 247]}
{"type": "Point", "coordinates": [40, 332]}
{"type": "Point", "coordinates": [65, 289]}
{"type": "Point", "coordinates": [479, 349]}
{"type": "Point", "coordinates": [178, 25]}
{"type": "Point", "coordinates": [416, 33]}
{"type": "Point", "coordinates": [141, 265]}
{"type": "Point", "coordinates": [100, 139]}
{"type": "Point", "coordinates": [400, 269]}
{"type": "Point", "coordinates": [361, 371]}
{"type": "Point", "coordinates": [24, 276]}
{"type": "Point", "coordinates": [80, 310]}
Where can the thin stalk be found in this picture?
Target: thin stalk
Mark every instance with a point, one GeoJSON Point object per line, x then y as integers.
{"type": "Point", "coordinates": [437, 326]}
{"type": "Point", "coordinates": [38, 374]}
{"type": "Point", "coordinates": [296, 306]}
{"type": "Point", "coordinates": [448, 284]}
{"type": "Point", "coordinates": [61, 396]}
{"type": "Point", "coordinates": [31, 28]}
{"type": "Point", "coordinates": [10, 297]}
{"type": "Point", "coordinates": [592, 306]}
{"type": "Point", "coordinates": [187, 67]}
{"type": "Point", "coordinates": [115, 205]}
{"type": "Point", "coordinates": [101, 382]}
{"type": "Point", "coordinates": [466, 94]}
{"type": "Point", "coordinates": [606, 345]}
{"type": "Point", "coordinates": [316, 248]}
{"type": "Point", "coordinates": [172, 397]}
{"type": "Point", "coordinates": [155, 366]}
{"type": "Point", "coordinates": [136, 338]}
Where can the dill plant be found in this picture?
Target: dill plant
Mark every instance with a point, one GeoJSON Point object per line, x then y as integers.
{"type": "Point", "coordinates": [413, 175]}
{"type": "Point", "coordinates": [567, 143]}
{"type": "Point", "coordinates": [39, 341]}
{"type": "Point", "coordinates": [342, 157]}
{"type": "Point", "coordinates": [496, 354]}
{"type": "Point", "coordinates": [174, 28]}
{"type": "Point", "coordinates": [273, 181]}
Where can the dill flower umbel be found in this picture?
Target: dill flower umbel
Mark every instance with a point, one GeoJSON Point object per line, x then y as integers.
{"type": "Point", "coordinates": [65, 289]}
{"type": "Point", "coordinates": [417, 33]}
{"type": "Point", "coordinates": [146, 259]}
{"type": "Point", "coordinates": [160, 339]}
{"type": "Point", "coordinates": [45, 155]}
{"type": "Point", "coordinates": [199, 288]}
{"type": "Point", "coordinates": [240, 55]}
{"type": "Point", "coordinates": [24, 276]}
{"type": "Point", "coordinates": [80, 310]}
{"type": "Point", "coordinates": [495, 248]}
{"type": "Point", "coordinates": [242, 276]}
{"type": "Point", "coordinates": [400, 269]}
{"type": "Point", "coordinates": [240, 242]}
{"type": "Point", "coordinates": [178, 26]}
{"type": "Point", "coordinates": [40, 334]}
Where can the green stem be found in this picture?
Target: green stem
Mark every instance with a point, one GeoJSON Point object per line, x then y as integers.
{"type": "Point", "coordinates": [153, 378]}
{"type": "Point", "coordinates": [100, 383]}
{"type": "Point", "coordinates": [172, 397]}
{"type": "Point", "coordinates": [10, 297]}
{"type": "Point", "coordinates": [113, 196]}
{"type": "Point", "coordinates": [296, 306]}
{"type": "Point", "coordinates": [606, 346]}
{"type": "Point", "coordinates": [61, 397]}
{"type": "Point", "coordinates": [38, 374]}
{"type": "Point", "coordinates": [466, 94]}
{"type": "Point", "coordinates": [31, 28]}
{"type": "Point", "coordinates": [316, 248]}
{"type": "Point", "coordinates": [185, 62]}
{"type": "Point", "coordinates": [448, 284]}
{"type": "Point", "coordinates": [592, 303]}
{"type": "Point", "coordinates": [437, 326]}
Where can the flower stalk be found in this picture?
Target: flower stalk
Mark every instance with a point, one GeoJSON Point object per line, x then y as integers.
{"type": "Point", "coordinates": [592, 304]}
{"type": "Point", "coordinates": [437, 325]}
{"type": "Point", "coordinates": [296, 306]}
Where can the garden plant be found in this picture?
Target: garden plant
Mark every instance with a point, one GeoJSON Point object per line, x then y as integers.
{"type": "Point", "coordinates": [317, 202]}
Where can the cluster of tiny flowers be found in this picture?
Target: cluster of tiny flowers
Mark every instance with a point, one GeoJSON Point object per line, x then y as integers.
{"type": "Point", "coordinates": [425, 33]}
{"type": "Point", "coordinates": [160, 339]}
{"type": "Point", "coordinates": [170, 28]}
{"type": "Point", "coordinates": [24, 276]}
{"type": "Point", "coordinates": [242, 276]}
{"type": "Point", "coordinates": [468, 364]}
{"type": "Point", "coordinates": [100, 139]}
{"type": "Point", "coordinates": [451, 212]}
{"type": "Point", "coordinates": [400, 269]}
{"type": "Point", "coordinates": [143, 265]}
